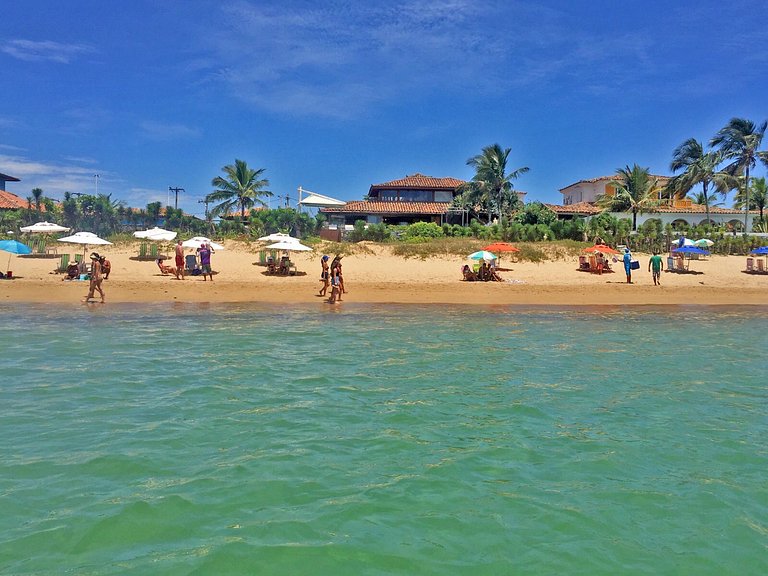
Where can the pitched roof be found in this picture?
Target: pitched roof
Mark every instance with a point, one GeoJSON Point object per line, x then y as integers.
{"type": "Point", "coordinates": [392, 208]}
{"type": "Point", "coordinates": [609, 178]}
{"type": "Point", "coordinates": [590, 208]}
{"type": "Point", "coordinates": [10, 201]}
{"type": "Point", "coordinates": [8, 178]}
{"type": "Point", "coordinates": [581, 208]}
{"type": "Point", "coordinates": [423, 182]}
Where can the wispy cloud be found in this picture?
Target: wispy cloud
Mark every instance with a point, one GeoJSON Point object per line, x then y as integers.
{"type": "Point", "coordinates": [53, 177]}
{"type": "Point", "coordinates": [164, 131]}
{"type": "Point", "coordinates": [45, 50]}
{"type": "Point", "coordinates": [342, 61]}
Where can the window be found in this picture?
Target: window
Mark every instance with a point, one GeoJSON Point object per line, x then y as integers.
{"type": "Point", "coordinates": [443, 196]}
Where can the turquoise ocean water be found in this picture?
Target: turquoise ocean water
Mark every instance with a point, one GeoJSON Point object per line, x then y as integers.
{"type": "Point", "coordinates": [372, 440]}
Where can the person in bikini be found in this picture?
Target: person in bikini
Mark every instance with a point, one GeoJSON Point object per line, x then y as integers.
{"type": "Point", "coordinates": [324, 275]}
{"type": "Point", "coordinates": [96, 278]}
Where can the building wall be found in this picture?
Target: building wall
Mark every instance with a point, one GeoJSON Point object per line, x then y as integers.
{"type": "Point", "coordinates": [584, 192]}
{"type": "Point", "coordinates": [691, 219]}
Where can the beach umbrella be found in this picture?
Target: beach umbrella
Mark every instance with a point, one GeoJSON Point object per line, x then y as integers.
{"type": "Point", "coordinates": [156, 234]}
{"type": "Point", "coordinates": [685, 242]}
{"type": "Point", "coordinates": [602, 248]}
{"type": "Point", "coordinates": [762, 251]}
{"type": "Point", "coordinates": [44, 228]}
{"type": "Point", "coordinates": [482, 255]}
{"type": "Point", "coordinates": [86, 239]}
{"type": "Point", "coordinates": [690, 250]}
{"type": "Point", "coordinates": [501, 247]}
{"type": "Point", "coordinates": [278, 237]}
{"type": "Point", "coordinates": [703, 243]}
{"type": "Point", "coordinates": [14, 247]}
{"type": "Point", "coordinates": [197, 241]}
{"type": "Point", "coordinates": [289, 245]}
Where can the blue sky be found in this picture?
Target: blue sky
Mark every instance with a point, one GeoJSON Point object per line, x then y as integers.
{"type": "Point", "coordinates": [336, 96]}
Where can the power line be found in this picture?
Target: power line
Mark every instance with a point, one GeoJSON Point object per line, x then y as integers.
{"type": "Point", "coordinates": [176, 190]}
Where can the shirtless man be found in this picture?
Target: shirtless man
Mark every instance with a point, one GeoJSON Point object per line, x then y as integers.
{"type": "Point", "coordinates": [96, 278]}
{"type": "Point", "coordinates": [180, 260]}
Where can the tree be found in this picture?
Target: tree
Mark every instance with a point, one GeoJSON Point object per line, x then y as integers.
{"type": "Point", "coordinates": [37, 194]}
{"type": "Point", "coordinates": [739, 141]}
{"type": "Point", "coordinates": [758, 197]}
{"type": "Point", "coordinates": [491, 183]}
{"type": "Point", "coordinates": [700, 167]}
{"type": "Point", "coordinates": [242, 188]}
{"type": "Point", "coordinates": [636, 191]}
{"type": "Point", "coordinates": [699, 198]}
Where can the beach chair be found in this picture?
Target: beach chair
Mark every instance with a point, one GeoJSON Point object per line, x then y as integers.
{"type": "Point", "coordinates": [143, 251]}
{"type": "Point", "coordinates": [593, 263]}
{"type": "Point", "coordinates": [153, 252]}
{"type": "Point", "coordinates": [63, 263]}
{"type": "Point", "coordinates": [670, 264]}
{"type": "Point", "coordinates": [262, 257]}
{"type": "Point", "coordinates": [760, 265]}
{"type": "Point", "coordinates": [583, 264]}
{"type": "Point", "coordinates": [750, 264]}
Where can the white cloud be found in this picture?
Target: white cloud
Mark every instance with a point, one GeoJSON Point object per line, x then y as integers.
{"type": "Point", "coordinates": [41, 51]}
{"type": "Point", "coordinates": [344, 60]}
{"type": "Point", "coordinates": [54, 178]}
{"type": "Point", "coordinates": [163, 131]}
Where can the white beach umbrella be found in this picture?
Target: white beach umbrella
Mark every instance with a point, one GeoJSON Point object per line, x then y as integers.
{"type": "Point", "coordinates": [704, 243]}
{"type": "Point", "coordinates": [278, 237]}
{"type": "Point", "coordinates": [197, 241]}
{"type": "Point", "coordinates": [44, 228]}
{"type": "Point", "coordinates": [85, 238]}
{"type": "Point", "coordinates": [289, 245]}
{"type": "Point", "coordinates": [156, 234]}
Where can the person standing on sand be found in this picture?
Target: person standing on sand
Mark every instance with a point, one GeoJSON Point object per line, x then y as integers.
{"type": "Point", "coordinates": [655, 266]}
{"type": "Point", "coordinates": [179, 260]}
{"type": "Point", "coordinates": [96, 278]}
{"type": "Point", "coordinates": [205, 261]}
{"type": "Point", "coordinates": [335, 295]}
{"type": "Point", "coordinates": [324, 275]}
{"type": "Point", "coordinates": [628, 265]}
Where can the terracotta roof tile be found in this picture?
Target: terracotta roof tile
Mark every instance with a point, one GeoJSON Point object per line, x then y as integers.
{"type": "Point", "coordinates": [380, 207]}
{"type": "Point", "coordinates": [589, 208]}
{"type": "Point", "coordinates": [609, 178]}
{"type": "Point", "coordinates": [10, 201]}
{"type": "Point", "coordinates": [421, 181]}
{"type": "Point", "coordinates": [582, 208]}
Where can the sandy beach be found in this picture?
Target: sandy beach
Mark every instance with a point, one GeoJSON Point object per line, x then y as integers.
{"type": "Point", "coordinates": [378, 276]}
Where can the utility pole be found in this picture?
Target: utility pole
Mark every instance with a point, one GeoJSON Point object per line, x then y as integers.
{"type": "Point", "coordinates": [206, 202]}
{"type": "Point", "coordinates": [96, 177]}
{"type": "Point", "coordinates": [176, 191]}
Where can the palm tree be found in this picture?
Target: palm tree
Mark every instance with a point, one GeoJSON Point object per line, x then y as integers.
{"type": "Point", "coordinates": [492, 181]}
{"type": "Point", "coordinates": [698, 198]}
{"type": "Point", "coordinates": [636, 191]}
{"type": "Point", "coordinates": [700, 167]}
{"type": "Point", "coordinates": [758, 196]}
{"type": "Point", "coordinates": [739, 141]}
{"type": "Point", "coordinates": [37, 194]}
{"type": "Point", "coordinates": [241, 188]}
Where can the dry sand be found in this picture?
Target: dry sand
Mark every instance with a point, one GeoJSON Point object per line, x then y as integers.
{"type": "Point", "coordinates": [380, 277]}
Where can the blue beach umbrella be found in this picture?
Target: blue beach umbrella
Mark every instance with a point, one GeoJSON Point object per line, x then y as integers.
{"type": "Point", "coordinates": [14, 247]}
{"type": "Point", "coordinates": [690, 250]}
{"type": "Point", "coordinates": [762, 251]}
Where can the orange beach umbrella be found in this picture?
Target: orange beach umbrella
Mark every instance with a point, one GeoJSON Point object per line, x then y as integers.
{"type": "Point", "coordinates": [501, 247]}
{"type": "Point", "coordinates": [601, 248]}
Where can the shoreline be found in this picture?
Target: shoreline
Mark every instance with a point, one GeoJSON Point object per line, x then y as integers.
{"type": "Point", "coordinates": [379, 277]}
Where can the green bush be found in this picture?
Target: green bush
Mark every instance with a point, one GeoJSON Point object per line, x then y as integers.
{"type": "Point", "coordinates": [424, 230]}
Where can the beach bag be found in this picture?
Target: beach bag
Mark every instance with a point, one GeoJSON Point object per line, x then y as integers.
{"type": "Point", "coordinates": [634, 265]}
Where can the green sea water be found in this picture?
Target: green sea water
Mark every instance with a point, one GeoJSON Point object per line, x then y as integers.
{"type": "Point", "coordinates": [373, 440]}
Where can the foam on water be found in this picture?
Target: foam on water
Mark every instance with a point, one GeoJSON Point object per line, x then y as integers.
{"type": "Point", "coordinates": [237, 439]}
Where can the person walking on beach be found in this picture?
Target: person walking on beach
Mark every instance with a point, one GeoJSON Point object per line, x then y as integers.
{"type": "Point", "coordinates": [335, 288]}
{"type": "Point", "coordinates": [655, 266]}
{"type": "Point", "coordinates": [179, 260]}
{"type": "Point", "coordinates": [205, 261]}
{"type": "Point", "coordinates": [324, 275]}
{"type": "Point", "coordinates": [628, 265]}
{"type": "Point", "coordinates": [96, 278]}
{"type": "Point", "coordinates": [337, 263]}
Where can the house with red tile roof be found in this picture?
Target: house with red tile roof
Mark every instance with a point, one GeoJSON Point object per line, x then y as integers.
{"type": "Point", "coordinates": [8, 200]}
{"type": "Point", "coordinates": [415, 198]}
{"type": "Point", "coordinates": [579, 201]}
